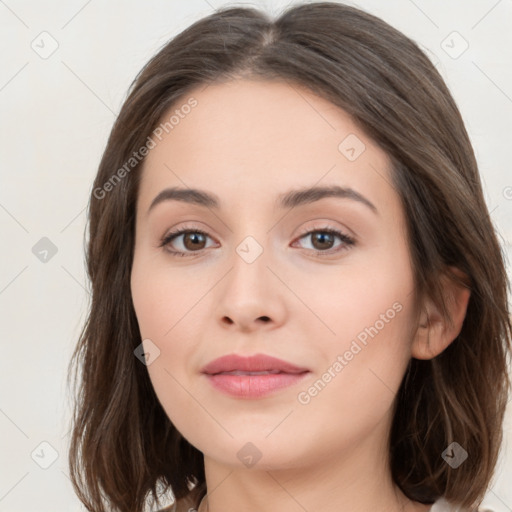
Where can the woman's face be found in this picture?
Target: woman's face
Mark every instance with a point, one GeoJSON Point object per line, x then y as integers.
{"type": "Point", "coordinates": [267, 278]}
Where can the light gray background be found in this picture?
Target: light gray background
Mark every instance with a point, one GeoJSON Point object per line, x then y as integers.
{"type": "Point", "coordinates": [56, 114]}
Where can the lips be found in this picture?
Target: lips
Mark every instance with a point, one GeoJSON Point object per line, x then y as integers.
{"type": "Point", "coordinates": [259, 364]}
{"type": "Point", "coordinates": [255, 377]}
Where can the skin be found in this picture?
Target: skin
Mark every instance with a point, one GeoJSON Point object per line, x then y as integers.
{"type": "Point", "coordinates": [247, 142]}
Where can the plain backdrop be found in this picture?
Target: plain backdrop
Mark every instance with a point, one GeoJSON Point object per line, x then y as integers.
{"type": "Point", "coordinates": [64, 72]}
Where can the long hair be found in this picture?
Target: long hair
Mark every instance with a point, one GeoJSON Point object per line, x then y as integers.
{"type": "Point", "coordinates": [123, 446]}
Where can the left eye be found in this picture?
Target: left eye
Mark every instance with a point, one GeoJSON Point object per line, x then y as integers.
{"type": "Point", "coordinates": [322, 240]}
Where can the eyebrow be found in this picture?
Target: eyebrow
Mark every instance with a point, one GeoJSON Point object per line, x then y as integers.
{"type": "Point", "coordinates": [290, 199]}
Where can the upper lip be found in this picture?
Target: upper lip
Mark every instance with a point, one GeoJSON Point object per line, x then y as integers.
{"type": "Point", "coordinates": [254, 363]}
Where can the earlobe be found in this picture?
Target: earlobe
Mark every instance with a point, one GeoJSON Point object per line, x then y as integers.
{"type": "Point", "coordinates": [434, 333]}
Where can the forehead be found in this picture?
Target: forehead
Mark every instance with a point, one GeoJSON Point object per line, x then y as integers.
{"type": "Point", "coordinates": [250, 139]}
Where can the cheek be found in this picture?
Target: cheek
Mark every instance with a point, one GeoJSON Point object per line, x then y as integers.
{"type": "Point", "coordinates": [364, 304]}
{"type": "Point", "coordinates": [161, 296]}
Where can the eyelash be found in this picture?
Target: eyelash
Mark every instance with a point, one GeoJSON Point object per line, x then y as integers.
{"type": "Point", "coordinates": [347, 240]}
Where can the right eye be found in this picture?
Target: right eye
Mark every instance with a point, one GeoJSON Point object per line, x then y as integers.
{"type": "Point", "coordinates": [192, 241]}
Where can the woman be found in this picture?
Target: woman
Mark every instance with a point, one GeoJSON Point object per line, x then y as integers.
{"type": "Point", "coordinates": [298, 298]}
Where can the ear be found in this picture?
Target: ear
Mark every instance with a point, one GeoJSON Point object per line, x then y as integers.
{"type": "Point", "coordinates": [434, 334]}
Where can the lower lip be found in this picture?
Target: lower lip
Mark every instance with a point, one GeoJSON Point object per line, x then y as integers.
{"type": "Point", "coordinates": [254, 386]}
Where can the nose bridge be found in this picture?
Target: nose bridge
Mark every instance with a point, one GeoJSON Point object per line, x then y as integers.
{"type": "Point", "coordinates": [252, 242]}
{"type": "Point", "coordinates": [249, 264]}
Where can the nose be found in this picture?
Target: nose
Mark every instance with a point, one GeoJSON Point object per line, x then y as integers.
{"type": "Point", "coordinates": [250, 297]}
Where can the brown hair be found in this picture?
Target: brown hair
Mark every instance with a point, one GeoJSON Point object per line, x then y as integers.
{"type": "Point", "coordinates": [123, 446]}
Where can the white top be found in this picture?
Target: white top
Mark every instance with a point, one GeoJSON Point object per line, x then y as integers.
{"type": "Point", "coordinates": [442, 505]}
